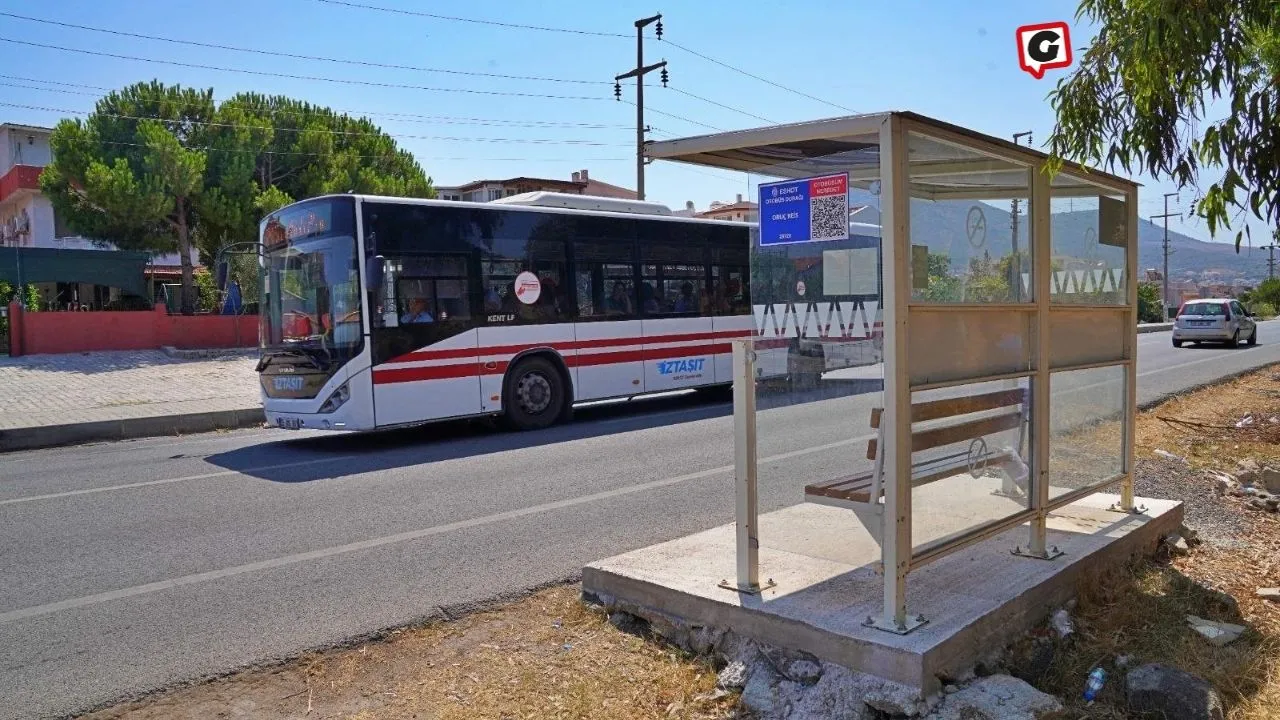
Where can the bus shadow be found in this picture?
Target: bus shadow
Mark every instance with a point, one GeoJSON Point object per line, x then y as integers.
{"type": "Point", "coordinates": [330, 456]}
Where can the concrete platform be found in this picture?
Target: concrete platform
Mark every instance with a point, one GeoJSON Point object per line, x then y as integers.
{"type": "Point", "coordinates": [824, 562]}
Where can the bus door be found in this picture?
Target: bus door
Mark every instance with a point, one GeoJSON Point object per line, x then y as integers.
{"type": "Point", "coordinates": [430, 342]}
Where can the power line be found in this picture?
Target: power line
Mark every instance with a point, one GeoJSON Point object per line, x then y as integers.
{"type": "Point", "coordinates": [753, 76]}
{"type": "Point", "coordinates": [543, 28]}
{"type": "Point", "coordinates": [719, 104]}
{"type": "Point", "coordinates": [370, 157]}
{"type": "Point", "coordinates": [315, 78]}
{"type": "Point", "coordinates": [362, 133]}
{"type": "Point", "coordinates": [475, 21]}
{"type": "Point", "coordinates": [393, 116]}
{"type": "Point", "coordinates": [674, 116]}
{"type": "Point", "coordinates": [295, 56]}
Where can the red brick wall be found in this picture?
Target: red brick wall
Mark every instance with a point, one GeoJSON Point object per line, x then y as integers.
{"type": "Point", "coordinates": [67, 332]}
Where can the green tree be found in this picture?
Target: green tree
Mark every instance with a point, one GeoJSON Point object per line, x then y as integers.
{"type": "Point", "coordinates": [1142, 90]}
{"type": "Point", "coordinates": [30, 295]}
{"type": "Point", "coordinates": [1268, 291]}
{"type": "Point", "coordinates": [943, 286]}
{"type": "Point", "coordinates": [272, 150]}
{"type": "Point", "coordinates": [133, 172]}
{"type": "Point", "coordinates": [164, 169]}
{"type": "Point", "coordinates": [207, 288]}
{"type": "Point", "coordinates": [1149, 309]}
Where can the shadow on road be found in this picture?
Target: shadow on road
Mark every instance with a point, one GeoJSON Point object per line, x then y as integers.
{"type": "Point", "coordinates": [328, 456]}
{"type": "Point", "coordinates": [1189, 345]}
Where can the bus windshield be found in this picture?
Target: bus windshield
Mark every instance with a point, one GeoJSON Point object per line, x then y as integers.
{"type": "Point", "coordinates": [311, 286]}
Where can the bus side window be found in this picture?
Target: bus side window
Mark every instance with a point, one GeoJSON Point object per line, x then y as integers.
{"type": "Point", "coordinates": [729, 294]}
{"type": "Point", "coordinates": [604, 281]}
{"type": "Point", "coordinates": [432, 289]}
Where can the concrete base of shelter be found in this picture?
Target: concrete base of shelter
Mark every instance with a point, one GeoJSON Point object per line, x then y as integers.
{"type": "Point", "coordinates": [824, 564]}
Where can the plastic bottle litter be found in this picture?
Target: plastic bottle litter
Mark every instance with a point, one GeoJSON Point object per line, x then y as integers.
{"type": "Point", "coordinates": [1062, 623]}
{"type": "Point", "coordinates": [1097, 679]}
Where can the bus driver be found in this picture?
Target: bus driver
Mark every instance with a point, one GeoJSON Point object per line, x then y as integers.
{"type": "Point", "coordinates": [417, 312]}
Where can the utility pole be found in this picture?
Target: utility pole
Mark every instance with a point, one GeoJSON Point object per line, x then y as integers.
{"type": "Point", "coordinates": [1016, 262]}
{"type": "Point", "coordinates": [1271, 260]}
{"type": "Point", "coordinates": [638, 73]}
{"type": "Point", "coordinates": [1164, 297]}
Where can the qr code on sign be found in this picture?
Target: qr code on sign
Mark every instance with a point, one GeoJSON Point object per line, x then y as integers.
{"type": "Point", "coordinates": [829, 217]}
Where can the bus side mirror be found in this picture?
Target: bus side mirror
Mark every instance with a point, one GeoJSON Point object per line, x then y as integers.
{"type": "Point", "coordinates": [374, 270]}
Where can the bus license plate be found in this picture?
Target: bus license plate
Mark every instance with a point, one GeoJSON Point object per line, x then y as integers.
{"type": "Point", "coordinates": [288, 382]}
{"type": "Point", "coordinates": [289, 423]}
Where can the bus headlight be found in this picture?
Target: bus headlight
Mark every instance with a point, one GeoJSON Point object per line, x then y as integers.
{"type": "Point", "coordinates": [336, 400]}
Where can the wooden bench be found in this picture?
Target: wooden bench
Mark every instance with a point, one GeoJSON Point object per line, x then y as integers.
{"type": "Point", "coordinates": [956, 420]}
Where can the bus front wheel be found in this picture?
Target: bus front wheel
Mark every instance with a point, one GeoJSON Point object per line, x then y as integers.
{"type": "Point", "coordinates": [534, 396]}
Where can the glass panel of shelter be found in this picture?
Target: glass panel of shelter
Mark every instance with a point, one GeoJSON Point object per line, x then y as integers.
{"type": "Point", "coordinates": [1092, 323]}
{"type": "Point", "coordinates": [969, 368]}
{"type": "Point", "coordinates": [818, 342]}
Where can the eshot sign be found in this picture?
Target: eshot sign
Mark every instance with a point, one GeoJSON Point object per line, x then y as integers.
{"type": "Point", "coordinates": [814, 209]}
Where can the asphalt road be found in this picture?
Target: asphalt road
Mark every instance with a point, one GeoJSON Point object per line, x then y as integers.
{"type": "Point", "coordinates": [131, 566]}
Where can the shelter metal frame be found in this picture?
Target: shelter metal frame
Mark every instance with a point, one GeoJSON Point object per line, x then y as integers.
{"type": "Point", "coordinates": [875, 149]}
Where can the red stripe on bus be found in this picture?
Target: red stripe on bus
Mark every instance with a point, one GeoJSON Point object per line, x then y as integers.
{"type": "Point", "coordinates": [454, 353]}
{"type": "Point", "coordinates": [470, 369]}
{"type": "Point", "coordinates": [434, 372]}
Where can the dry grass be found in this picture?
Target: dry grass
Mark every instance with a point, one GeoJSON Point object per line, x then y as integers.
{"type": "Point", "coordinates": [1140, 611]}
{"type": "Point", "coordinates": [1200, 426]}
{"type": "Point", "coordinates": [547, 656]}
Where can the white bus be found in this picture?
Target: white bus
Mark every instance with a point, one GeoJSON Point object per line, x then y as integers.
{"type": "Point", "coordinates": [381, 312]}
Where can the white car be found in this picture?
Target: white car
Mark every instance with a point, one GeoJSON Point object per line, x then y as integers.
{"type": "Point", "coordinates": [1214, 320]}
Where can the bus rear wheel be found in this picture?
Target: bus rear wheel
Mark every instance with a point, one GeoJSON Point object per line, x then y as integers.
{"type": "Point", "coordinates": [534, 396]}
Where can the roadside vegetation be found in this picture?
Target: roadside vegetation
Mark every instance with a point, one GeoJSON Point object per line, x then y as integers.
{"type": "Point", "coordinates": [1186, 446]}
{"type": "Point", "coordinates": [1264, 299]}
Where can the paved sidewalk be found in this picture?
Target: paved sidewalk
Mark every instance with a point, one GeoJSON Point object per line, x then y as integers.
{"type": "Point", "coordinates": [57, 399]}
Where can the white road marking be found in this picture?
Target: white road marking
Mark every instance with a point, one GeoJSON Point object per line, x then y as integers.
{"type": "Point", "coordinates": [169, 481]}
{"type": "Point", "coordinates": [285, 560]}
{"type": "Point", "coordinates": [1213, 358]}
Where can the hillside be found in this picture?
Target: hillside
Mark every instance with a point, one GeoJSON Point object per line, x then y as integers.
{"type": "Point", "coordinates": [942, 226]}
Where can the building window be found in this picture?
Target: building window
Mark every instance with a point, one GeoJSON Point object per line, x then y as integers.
{"type": "Point", "coordinates": [495, 193]}
{"type": "Point", "coordinates": [59, 228]}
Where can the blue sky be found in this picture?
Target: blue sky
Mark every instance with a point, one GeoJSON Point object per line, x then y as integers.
{"type": "Point", "coordinates": [953, 60]}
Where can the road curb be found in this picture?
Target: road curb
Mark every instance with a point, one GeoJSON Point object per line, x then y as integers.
{"type": "Point", "coordinates": [1154, 327]}
{"type": "Point", "coordinates": [46, 436]}
{"type": "Point", "coordinates": [1149, 404]}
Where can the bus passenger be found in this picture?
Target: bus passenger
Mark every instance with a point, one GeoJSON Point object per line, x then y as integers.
{"type": "Point", "coordinates": [648, 299]}
{"type": "Point", "coordinates": [685, 303]}
{"type": "Point", "coordinates": [620, 300]}
{"type": "Point", "coordinates": [417, 312]}
{"type": "Point", "coordinates": [492, 300]}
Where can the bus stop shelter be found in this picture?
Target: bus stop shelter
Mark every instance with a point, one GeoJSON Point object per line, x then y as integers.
{"type": "Point", "coordinates": [998, 290]}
